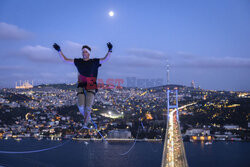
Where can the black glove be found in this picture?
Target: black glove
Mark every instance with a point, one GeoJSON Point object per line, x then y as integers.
{"type": "Point", "coordinates": [110, 46]}
{"type": "Point", "coordinates": [57, 47]}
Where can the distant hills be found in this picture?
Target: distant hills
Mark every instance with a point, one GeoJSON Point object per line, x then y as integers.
{"type": "Point", "coordinates": [58, 86]}
{"type": "Point", "coordinates": [74, 86]}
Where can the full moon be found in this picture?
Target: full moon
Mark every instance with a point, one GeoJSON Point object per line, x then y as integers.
{"type": "Point", "coordinates": [111, 13]}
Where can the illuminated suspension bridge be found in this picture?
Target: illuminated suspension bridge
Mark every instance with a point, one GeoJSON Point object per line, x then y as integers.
{"type": "Point", "coordinates": [174, 151]}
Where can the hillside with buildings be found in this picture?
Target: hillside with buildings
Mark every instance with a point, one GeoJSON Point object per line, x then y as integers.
{"type": "Point", "coordinates": [51, 111]}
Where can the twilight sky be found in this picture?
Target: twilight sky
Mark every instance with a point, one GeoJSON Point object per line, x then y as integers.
{"type": "Point", "coordinates": [206, 41]}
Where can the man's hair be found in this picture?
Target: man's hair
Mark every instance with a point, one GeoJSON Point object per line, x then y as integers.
{"type": "Point", "coordinates": [87, 47]}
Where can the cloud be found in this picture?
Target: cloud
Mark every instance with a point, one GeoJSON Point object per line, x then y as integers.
{"type": "Point", "coordinates": [76, 45]}
{"type": "Point", "coordinates": [73, 45]}
{"type": "Point", "coordinates": [71, 49]}
{"type": "Point", "coordinates": [39, 53]}
{"type": "Point", "coordinates": [144, 58]}
{"type": "Point", "coordinates": [74, 49]}
{"type": "Point", "coordinates": [185, 55]}
{"type": "Point", "coordinates": [136, 58]}
{"type": "Point", "coordinates": [43, 54]}
{"type": "Point", "coordinates": [146, 53]}
{"type": "Point", "coordinates": [12, 32]}
{"type": "Point", "coordinates": [213, 62]}
{"type": "Point", "coordinates": [135, 63]}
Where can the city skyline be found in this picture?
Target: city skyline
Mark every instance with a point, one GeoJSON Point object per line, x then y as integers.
{"type": "Point", "coordinates": [138, 83]}
{"type": "Point", "coordinates": [207, 42]}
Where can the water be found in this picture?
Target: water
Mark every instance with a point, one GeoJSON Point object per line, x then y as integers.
{"type": "Point", "coordinates": [98, 154]}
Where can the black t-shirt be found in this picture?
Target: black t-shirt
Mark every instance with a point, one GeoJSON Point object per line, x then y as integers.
{"type": "Point", "coordinates": [88, 69]}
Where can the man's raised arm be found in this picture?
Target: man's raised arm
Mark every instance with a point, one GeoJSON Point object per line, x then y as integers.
{"type": "Point", "coordinates": [57, 47]}
{"type": "Point", "coordinates": [104, 59]}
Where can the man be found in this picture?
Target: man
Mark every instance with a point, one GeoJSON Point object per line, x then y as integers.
{"type": "Point", "coordinates": [87, 76]}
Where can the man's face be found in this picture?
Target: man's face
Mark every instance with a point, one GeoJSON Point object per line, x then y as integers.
{"type": "Point", "coordinates": [85, 54]}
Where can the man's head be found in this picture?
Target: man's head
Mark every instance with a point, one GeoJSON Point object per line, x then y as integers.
{"type": "Point", "coordinates": [86, 51]}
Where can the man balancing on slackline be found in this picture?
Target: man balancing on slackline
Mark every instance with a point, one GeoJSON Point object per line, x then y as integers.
{"type": "Point", "coordinates": [87, 76]}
